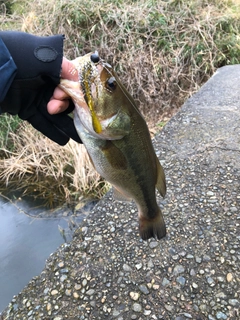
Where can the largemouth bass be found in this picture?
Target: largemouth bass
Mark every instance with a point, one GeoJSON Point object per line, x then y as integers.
{"type": "Point", "coordinates": [117, 140]}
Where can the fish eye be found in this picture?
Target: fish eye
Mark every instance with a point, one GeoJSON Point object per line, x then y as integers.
{"type": "Point", "coordinates": [111, 84]}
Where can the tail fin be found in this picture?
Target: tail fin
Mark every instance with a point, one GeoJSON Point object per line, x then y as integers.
{"type": "Point", "coordinates": [152, 228]}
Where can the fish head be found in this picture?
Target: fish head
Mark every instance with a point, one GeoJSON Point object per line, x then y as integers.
{"type": "Point", "coordinates": [104, 107]}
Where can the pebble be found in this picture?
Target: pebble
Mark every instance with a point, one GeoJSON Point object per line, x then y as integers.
{"type": "Point", "coordinates": [137, 307]}
{"type": "Point", "coordinates": [127, 268]}
{"type": "Point", "coordinates": [206, 258]}
{"type": "Point", "coordinates": [234, 302]}
{"type": "Point", "coordinates": [153, 244]}
{"type": "Point", "coordinates": [221, 315]}
{"type": "Point", "coordinates": [220, 279]}
{"type": "Point", "coordinates": [115, 313]}
{"type": "Point", "coordinates": [147, 312]}
{"type": "Point", "coordinates": [155, 286]}
{"type": "Point", "coordinates": [138, 266]}
{"type": "Point", "coordinates": [68, 292]}
{"type": "Point", "coordinates": [210, 193]}
{"type": "Point", "coordinates": [134, 296]}
{"type": "Point", "coordinates": [75, 295]}
{"type": "Point", "coordinates": [194, 285]}
{"type": "Point", "coordinates": [181, 280]}
{"type": "Point", "coordinates": [97, 238]}
{"type": "Point", "coordinates": [61, 264]}
{"type": "Point", "coordinates": [165, 282]}
{"type": "Point", "coordinates": [63, 278]}
{"type": "Point", "coordinates": [46, 291]}
{"type": "Point", "coordinates": [198, 259]}
{"type": "Point", "coordinates": [54, 292]}
{"type": "Point", "coordinates": [143, 289]}
{"type": "Point", "coordinates": [65, 270]}
{"type": "Point", "coordinates": [210, 281]}
{"type": "Point", "coordinates": [84, 282]}
{"type": "Point", "coordinates": [150, 264]}
{"type": "Point", "coordinates": [178, 269]}
{"type": "Point", "coordinates": [192, 272]}
{"type": "Point", "coordinates": [77, 286]}
{"type": "Point", "coordinates": [169, 307]}
{"type": "Point", "coordinates": [49, 306]}
{"type": "Point", "coordinates": [229, 277]}
{"type": "Point", "coordinates": [90, 292]}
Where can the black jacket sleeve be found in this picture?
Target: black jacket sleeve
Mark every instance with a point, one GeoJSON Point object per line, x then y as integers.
{"type": "Point", "coordinates": [7, 70]}
{"type": "Point", "coordinates": [38, 61]}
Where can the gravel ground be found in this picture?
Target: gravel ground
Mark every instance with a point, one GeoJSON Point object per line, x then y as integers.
{"type": "Point", "coordinates": [108, 272]}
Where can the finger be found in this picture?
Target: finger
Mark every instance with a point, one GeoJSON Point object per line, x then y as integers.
{"type": "Point", "coordinates": [55, 106]}
{"type": "Point", "coordinates": [59, 94]}
{"type": "Point", "coordinates": [68, 70]}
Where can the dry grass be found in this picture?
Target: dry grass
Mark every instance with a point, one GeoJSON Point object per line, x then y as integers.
{"type": "Point", "coordinates": [43, 169]}
{"type": "Point", "coordinates": [162, 50]}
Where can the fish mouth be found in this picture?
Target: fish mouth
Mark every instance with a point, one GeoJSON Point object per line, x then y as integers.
{"type": "Point", "coordinates": [91, 85]}
{"type": "Point", "coordinates": [96, 79]}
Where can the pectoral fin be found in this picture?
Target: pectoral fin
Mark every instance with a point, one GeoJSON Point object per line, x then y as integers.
{"type": "Point", "coordinates": [161, 181]}
{"type": "Point", "coordinates": [114, 156]}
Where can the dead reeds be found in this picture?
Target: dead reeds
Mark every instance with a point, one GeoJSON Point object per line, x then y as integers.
{"type": "Point", "coordinates": [38, 167]}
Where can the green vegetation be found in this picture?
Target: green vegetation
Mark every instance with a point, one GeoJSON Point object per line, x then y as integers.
{"type": "Point", "coordinates": [8, 124]}
{"type": "Point", "coordinates": [163, 52]}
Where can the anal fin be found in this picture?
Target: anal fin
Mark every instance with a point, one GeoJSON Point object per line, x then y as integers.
{"type": "Point", "coordinates": [161, 181]}
{"type": "Point", "coordinates": [119, 196]}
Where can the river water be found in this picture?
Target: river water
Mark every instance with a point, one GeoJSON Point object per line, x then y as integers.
{"type": "Point", "coordinates": [28, 235]}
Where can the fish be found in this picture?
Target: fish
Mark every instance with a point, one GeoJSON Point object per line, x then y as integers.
{"type": "Point", "coordinates": [117, 140]}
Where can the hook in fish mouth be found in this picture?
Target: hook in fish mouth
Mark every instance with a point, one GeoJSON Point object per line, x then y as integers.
{"type": "Point", "coordinates": [95, 57]}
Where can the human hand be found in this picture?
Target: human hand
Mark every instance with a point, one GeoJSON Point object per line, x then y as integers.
{"type": "Point", "coordinates": [34, 85]}
{"type": "Point", "coordinates": [59, 101]}
{"type": "Point", "coordinates": [57, 109]}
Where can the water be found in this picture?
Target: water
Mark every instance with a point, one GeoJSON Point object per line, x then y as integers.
{"type": "Point", "coordinates": [25, 244]}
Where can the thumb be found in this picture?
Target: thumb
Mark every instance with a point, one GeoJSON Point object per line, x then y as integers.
{"type": "Point", "coordinates": [69, 71]}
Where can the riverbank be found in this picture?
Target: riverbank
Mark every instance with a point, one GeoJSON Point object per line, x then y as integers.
{"type": "Point", "coordinates": [107, 272]}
